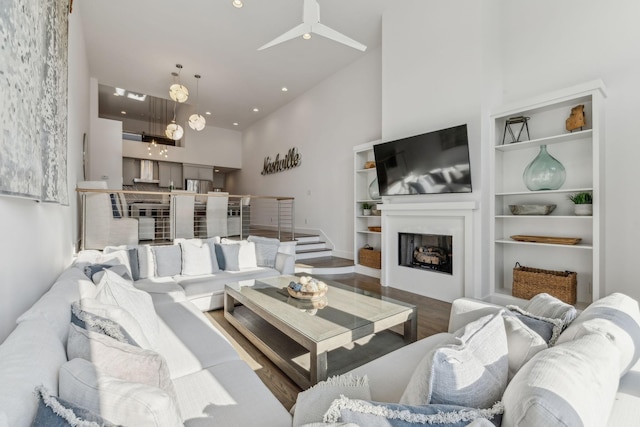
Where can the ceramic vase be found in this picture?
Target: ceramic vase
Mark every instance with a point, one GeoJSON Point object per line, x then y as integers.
{"type": "Point", "coordinates": [545, 172]}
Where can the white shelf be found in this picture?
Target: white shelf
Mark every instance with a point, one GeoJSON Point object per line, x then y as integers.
{"type": "Point", "coordinates": [362, 179]}
{"type": "Point", "coordinates": [556, 139]}
{"type": "Point", "coordinates": [515, 242]}
{"type": "Point", "coordinates": [534, 193]}
{"type": "Point", "coordinates": [581, 153]}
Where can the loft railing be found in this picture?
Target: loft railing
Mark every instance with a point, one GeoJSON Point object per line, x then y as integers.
{"type": "Point", "coordinates": [121, 217]}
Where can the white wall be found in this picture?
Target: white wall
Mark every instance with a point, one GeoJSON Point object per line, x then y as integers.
{"type": "Point", "coordinates": [563, 43]}
{"type": "Point", "coordinates": [39, 238]}
{"type": "Point", "coordinates": [438, 67]}
{"type": "Point", "coordinates": [324, 124]}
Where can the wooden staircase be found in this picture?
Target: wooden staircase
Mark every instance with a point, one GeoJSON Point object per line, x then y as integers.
{"type": "Point", "coordinates": [314, 257]}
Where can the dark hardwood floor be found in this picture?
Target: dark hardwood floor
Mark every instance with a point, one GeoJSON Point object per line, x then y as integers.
{"type": "Point", "coordinates": [433, 317]}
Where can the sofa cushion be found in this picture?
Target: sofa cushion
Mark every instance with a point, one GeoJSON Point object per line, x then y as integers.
{"type": "Point", "coordinates": [54, 306]}
{"type": "Point", "coordinates": [168, 260]}
{"type": "Point", "coordinates": [311, 404]}
{"type": "Point", "coordinates": [120, 360]}
{"type": "Point", "coordinates": [188, 340]}
{"type": "Point", "coordinates": [198, 258]}
{"type": "Point", "coordinates": [571, 384]}
{"type": "Point", "coordinates": [228, 394]}
{"type": "Point", "coordinates": [161, 289]}
{"type": "Point", "coordinates": [376, 414]}
{"type": "Point", "coordinates": [30, 355]}
{"type": "Point", "coordinates": [96, 271]}
{"type": "Point", "coordinates": [108, 319]}
{"type": "Point", "coordinates": [146, 261]}
{"type": "Point", "coordinates": [121, 402]}
{"type": "Point", "coordinates": [113, 289]}
{"type": "Point", "coordinates": [56, 412]}
{"type": "Point", "coordinates": [266, 250]}
{"type": "Point", "coordinates": [618, 318]}
{"type": "Point", "coordinates": [545, 305]}
{"type": "Point", "coordinates": [472, 371]}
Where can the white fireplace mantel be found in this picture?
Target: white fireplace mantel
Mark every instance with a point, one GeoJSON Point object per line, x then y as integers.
{"type": "Point", "coordinates": [438, 206]}
{"type": "Point", "coordinates": [451, 218]}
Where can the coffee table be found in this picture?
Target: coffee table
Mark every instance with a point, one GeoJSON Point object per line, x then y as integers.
{"type": "Point", "coordinates": [283, 327]}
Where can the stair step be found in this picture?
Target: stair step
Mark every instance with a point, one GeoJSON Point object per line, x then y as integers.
{"type": "Point", "coordinates": [308, 239]}
{"type": "Point", "coordinates": [310, 245]}
{"type": "Point", "coordinates": [325, 265]}
{"type": "Point", "coordinates": [313, 253]}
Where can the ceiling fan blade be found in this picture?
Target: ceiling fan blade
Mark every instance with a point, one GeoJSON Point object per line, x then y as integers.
{"type": "Point", "coordinates": [296, 31]}
{"type": "Point", "coordinates": [332, 34]}
{"type": "Point", "coordinates": [311, 12]}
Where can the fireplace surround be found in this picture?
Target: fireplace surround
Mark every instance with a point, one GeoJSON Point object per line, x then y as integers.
{"type": "Point", "coordinates": [453, 220]}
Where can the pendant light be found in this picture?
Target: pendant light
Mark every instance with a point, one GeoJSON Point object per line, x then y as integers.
{"type": "Point", "coordinates": [177, 92]}
{"type": "Point", "coordinates": [174, 130]}
{"type": "Point", "coordinates": [196, 121]}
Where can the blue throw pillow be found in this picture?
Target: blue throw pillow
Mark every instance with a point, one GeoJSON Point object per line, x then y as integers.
{"type": "Point", "coordinates": [220, 256]}
{"type": "Point", "coordinates": [375, 414]}
{"type": "Point", "coordinates": [55, 412]}
{"type": "Point", "coordinates": [133, 262]}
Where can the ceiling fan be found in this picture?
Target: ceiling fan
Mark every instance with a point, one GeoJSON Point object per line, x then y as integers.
{"type": "Point", "coordinates": [311, 24]}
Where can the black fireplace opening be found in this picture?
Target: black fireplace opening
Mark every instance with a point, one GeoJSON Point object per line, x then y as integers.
{"type": "Point", "coordinates": [426, 251]}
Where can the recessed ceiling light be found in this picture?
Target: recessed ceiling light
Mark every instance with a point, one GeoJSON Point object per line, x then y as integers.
{"type": "Point", "coordinates": [285, 89]}
{"type": "Point", "coordinates": [237, 3]}
{"type": "Point", "coordinates": [208, 113]}
{"type": "Point", "coordinates": [119, 92]}
{"type": "Point", "coordinates": [123, 112]}
{"type": "Point", "coordinates": [235, 123]}
{"type": "Point", "coordinates": [306, 36]}
{"type": "Point", "coordinates": [255, 110]}
{"type": "Point", "coordinates": [216, 170]}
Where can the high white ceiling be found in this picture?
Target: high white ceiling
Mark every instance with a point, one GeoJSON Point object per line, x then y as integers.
{"type": "Point", "coordinates": [135, 45]}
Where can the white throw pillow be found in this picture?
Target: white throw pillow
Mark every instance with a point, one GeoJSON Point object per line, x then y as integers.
{"type": "Point", "coordinates": [571, 384]}
{"type": "Point", "coordinates": [119, 360]}
{"type": "Point", "coordinates": [545, 305]}
{"type": "Point", "coordinates": [246, 255]}
{"type": "Point", "coordinates": [115, 258]}
{"type": "Point", "coordinates": [523, 343]}
{"type": "Point", "coordinates": [90, 310]}
{"type": "Point", "coordinates": [197, 258]}
{"type": "Point", "coordinates": [121, 402]}
{"type": "Point", "coordinates": [115, 290]}
{"type": "Point", "coordinates": [472, 371]}
{"type": "Point", "coordinates": [266, 250]}
{"type": "Point", "coordinates": [312, 403]}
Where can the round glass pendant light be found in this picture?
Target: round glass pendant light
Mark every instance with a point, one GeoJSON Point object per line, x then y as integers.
{"type": "Point", "coordinates": [174, 131]}
{"type": "Point", "coordinates": [196, 121]}
{"type": "Point", "coordinates": [177, 91]}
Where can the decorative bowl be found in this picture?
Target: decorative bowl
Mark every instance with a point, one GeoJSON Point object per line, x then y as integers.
{"type": "Point", "coordinates": [307, 295]}
{"type": "Point", "coordinates": [531, 209]}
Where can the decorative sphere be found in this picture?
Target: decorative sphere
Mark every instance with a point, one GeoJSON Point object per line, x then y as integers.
{"type": "Point", "coordinates": [174, 131]}
{"type": "Point", "coordinates": [178, 93]}
{"type": "Point", "coordinates": [197, 122]}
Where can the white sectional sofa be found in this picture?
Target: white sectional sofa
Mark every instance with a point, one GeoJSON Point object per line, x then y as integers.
{"type": "Point", "coordinates": [590, 377]}
{"type": "Point", "coordinates": [210, 385]}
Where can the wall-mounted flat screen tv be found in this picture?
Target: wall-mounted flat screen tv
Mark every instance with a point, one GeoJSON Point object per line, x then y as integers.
{"type": "Point", "coordinates": [431, 163]}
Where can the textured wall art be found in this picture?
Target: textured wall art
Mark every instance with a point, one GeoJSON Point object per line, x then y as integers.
{"type": "Point", "coordinates": [33, 89]}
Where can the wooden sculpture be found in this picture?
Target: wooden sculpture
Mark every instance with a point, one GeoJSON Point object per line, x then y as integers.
{"type": "Point", "coordinates": [576, 119]}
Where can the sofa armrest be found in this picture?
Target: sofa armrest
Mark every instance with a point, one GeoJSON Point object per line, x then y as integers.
{"type": "Point", "coordinates": [466, 310]}
{"type": "Point", "coordinates": [285, 263]}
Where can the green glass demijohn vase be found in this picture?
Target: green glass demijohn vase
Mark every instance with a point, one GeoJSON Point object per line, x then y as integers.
{"type": "Point", "coordinates": [545, 172]}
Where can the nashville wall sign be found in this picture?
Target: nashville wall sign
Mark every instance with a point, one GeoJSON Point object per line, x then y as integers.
{"type": "Point", "coordinates": [291, 160]}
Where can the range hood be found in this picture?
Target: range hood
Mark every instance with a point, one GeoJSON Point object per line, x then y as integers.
{"type": "Point", "coordinates": [146, 173]}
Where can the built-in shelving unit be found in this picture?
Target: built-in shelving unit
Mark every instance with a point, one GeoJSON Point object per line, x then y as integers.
{"type": "Point", "coordinates": [362, 180]}
{"type": "Point", "coordinates": [581, 154]}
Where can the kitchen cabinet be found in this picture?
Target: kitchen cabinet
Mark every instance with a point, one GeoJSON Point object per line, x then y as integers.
{"type": "Point", "coordinates": [198, 172]}
{"type": "Point", "coordinates": [168, 172]}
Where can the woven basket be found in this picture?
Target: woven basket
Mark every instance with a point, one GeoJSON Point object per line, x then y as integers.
{"type": "Point", "coordinates": [528, 282]}
{"type": "Point", "coordinates": [370, 258]}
